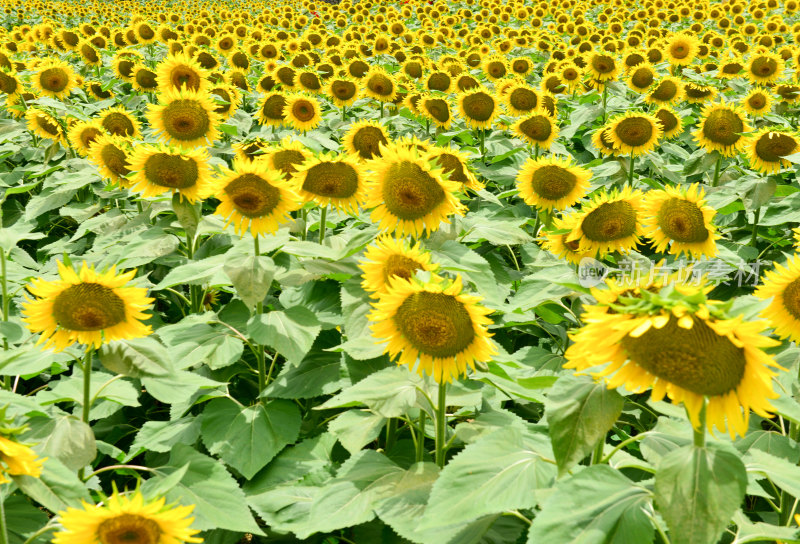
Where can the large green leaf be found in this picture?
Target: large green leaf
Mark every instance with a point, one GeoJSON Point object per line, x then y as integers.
{"type": "Point", "coordinates": [56, 489]}
{"type": "Point", "coordinates": [598, 504]}
{"type": "Point", "coordinates": [579, 413]}
{"type": "Point", "coordinates": [251, 276]}
{"type": "Point", "coordinates": [136, 358]}
{"type": "Point", "coordinates": [291, 332]}
{"type": "Point", "coordinates": [698, 490]}
{"type": "Point", "coordinates": [781, 472]}
{"type": "Point", "coordinates": [161, 436]}
{"type": "Point", "coordinates": [356, 428]}
{"type": "Point", "coordinates": [389, 392]}
{"type": "Point", "coordinates": [23, 519]}
{"type": "Point", "coordinates": [320, 373]}
{"type": "Point", "coordinates": [64, 437]}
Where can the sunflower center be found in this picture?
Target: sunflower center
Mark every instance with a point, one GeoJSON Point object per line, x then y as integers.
{"type": "Point", "coordinates": [185, 76]}
{"type": "Point", "coordinates": [54, 79]}
{"type": "Point", "coordinates": [757, 101]}
{"type": "Point", "coordinates": [642, 78]}
{"type": "Point", "coordinates": [478, 106]}
{"type": "Point", "coordinates": [125, 67]}
{"type": "Point", "coordinates": [115, 160]}
{"type": "Point", "coordinates": [723, 127]}
{"type": "Point", "coordinates": [553, 182]}
{"type": "Point", "coordinates": [497, 69]}
{"type": "Point", "coordinates": [118, 124]}
{"type": "Point", "coordinates": [88, 136]}
{"type": "Point", "coordinates": [437, 108]}
{"type": "Point", "coordinates": [452, 167]}
{"type": "Point", "coordinates": [171, 171]}
{"type": "Point", "coordinates": [331, 179]}
{"type": "Point", "coordinates": [409, 192]}
{"type": "Point", "coordinates": [129, 529]}
{"type": "Point", "coordinates": [772, 146]}
{"type": "Point", "coordinates": [697, 359]}
{"type": "Point", "coordinates": [303, 111]}
{"type": "Point", "coordinates": [665, 91]}
{"type": "Point", "coordinates": [344, 90]}
{"type": "Point", "coordinates": [764, 67]}
{"type": "Point", "coordinates": [603, 64]}
{"type": "Point", "coordinates": [401, 266]}
{"type": "Point", "coordinates": [273, 107]}
{"type": "Point", "coordinates": [682, 221]}
{"type": "Point", "coordinates": [791, 298]}
{"type": "Point", "coordinates": [48, 126]}
{"type": "Point", "coordinates": [439, 82]}
{"type": "Point", "coordinates": [537, 128]}
{"type": "Point", "coordinates": [435, 324]}
{"type": "Point", "coordinates": [367, 141]}
{"type": "Point", "coordinates": [252, 196]}
{"type": "Point", "coordinates": [186, 120]}
{"type": "Point", "coordinates": [285, 160]}
{"type": "Point", "coordinates": [520, 66]}
{"type": "Point", "coordinates": [309, 81]}
{"type": "Point", "coordinates": [667, 119]}
{"type": "Point", "coordinates": [634, 131]}
{"type": "Point", "coordinates": [88, 307]}
{"type": "Point", "coordinates": [146, 79]}
{"type": "Point", "coordinates": [523, 99]}
{"type": "Point", "coordinates": [679, 50]}
{"type": "Point", "coordinates": [380, 85]}
{"type": "Point", "coordinates": [610, 221]}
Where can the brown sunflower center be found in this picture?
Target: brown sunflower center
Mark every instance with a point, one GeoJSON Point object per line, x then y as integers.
{"type": "Point", "coordinates": [146, 79]}
{"type": "Point", "coordinates": [252, 195]}
{"type": "Point", "coordinates": [343, 90]}
{"type": "Point", "coordinates": [610, 221]}
{"type": "Point", "coordinates": [273, 107]}
{"type": "Point", "coordinates": [358, 68]}
{"type": "Point", "coordinates": [667, 119]}
{"type": "Point", "coordinates": [129, 529]}
{"type": "Point", "coordinates": [401, 266]}
{"type": "Point", "coordinates": [172, 171]}
{"type": "Point", "coordinates": [697, 359]}
{"type": "Point", "coordinates": [642, 78]}
{"type": "Point", "coordinates": [115, 160]}
{"type": "Point", "coordinates": [309, 81]}
{"type": "Point", "coordinates": [634, 131]}
{"type": "Point", "coordinates": [453, 168]}
{"type": "Point", "coordinates": [520, 66]}
{"type": "Point", "coordinates": [409, 192]}
{"type": "Point", "coordinates": [682, 221]}
{"type": "Point", "coordinates": [772, 146]}
{"type": "Point", "coordinates": [48, 125]}
{"type": "Point", "coordinates": [466, 83]}
{"type": "Point", "coordinates": [380, 85]}
{"type": "Point", "coordinates": [367, 141]}
{"type": "Point", "coordinates": [757, 101]}
{"type": "Point", "coordinates": [603, 64]}
{"type": "Point", "coordinates": [763, 66]}
{"type": "Point", "coordinates": [679, 50]}
{"type": "Point", "coordinates": [186, 120]}
{"type": "Point", "coordinates": [435, 324]}
{"type": "Point", "coordinates": [125, 67]}
{"type": "Point", "coordinates": [439, 81]}
{"type": "Point", "coordinates": [437, 108]}
{"type": "Point", "coordinates": [286, 160]}
{"type": "Point", "coordinates": [523, 99]}
{"type": "Point", "coordinates": [54, 79]}
{"type": "Point", "coordinates": [478, 106]}
{"type": "Point", "coordinates": [413, 69]}
{"type": "Point", "coordinates": [723, 126]}
{"type": "Point", "coordinates": [118, 124]}
{"type": "Point", "coordinates": [553, 182]}
{"type": "Point", "coordinates": [303, 111]}
{"type": "Point", "coordinates": [185, 76]}
{"type": "Point", "coordinates": [665, 91]}
{"type": "Point", "coordinates": [538, 128]}
{"type": "Point", "coordinates": [731, 68]}
{"type": "Point", "coordinates": [496, 69]}
{"type": "Point", "coordinates": [791, 298]}
{"type": "Point", "coordinates": [88, 307]}
{"type": "Point", "coordinates": [331, 179]}
{"type": "Point", "coordinates": [88, 136]}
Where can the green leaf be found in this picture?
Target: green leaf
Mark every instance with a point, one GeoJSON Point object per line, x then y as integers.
{"type": "Point", "coordinates": [23, 519]}
{"type": "Point", "coordinates": [784, 474]}
{"type": "Point", "coordinates": [187, 214]}
{"type": "Point", "coordinates": [698, 490]}
{"type": "Point", "coordinates": [209, 270]}
{"type": "Point", "coordinates": [579, 413]}
{"type": "Point", "coordinates": [192, 341]}
{"type": "Point", "coordinates": [248, 438]}
{"type": "Point", "coordinates": [389, 392]}
{"type": "Point", "coordinates": [290, 332]}
{"type": "Point", "coordinates": [308, 460]}
{"type": "Point", "coordinates": [356, 428]}
{"type": "Point", "coordinates": [251, 277]}
{"type": "Point", "coordinates": [219, 503]}
{"type": "Point", "coordinates": [161, 436]}
{"type": "Point", "coordinates": [747, 531]}
{"type": "Point", "coordinates": [29, 360]}
{"type": "Point", "coordinates": [499, 472]}
{"type": "Point", "coordinates": [455, 257]}
{"type": "Point", "coordinates": [136, 358]}
{"type": "Point", "coordinates": [318, 374]}
{"type": "Point", "coordinates": [64, 437]}
{"type": "Point", "coordinates": [598, 504]}
{"type": "Point", "coordinates": [56, 489]}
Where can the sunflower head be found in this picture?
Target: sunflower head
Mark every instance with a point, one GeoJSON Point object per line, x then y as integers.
{"type": "Point", "coordinates": [603, 142]}
{"type": "Point", "coordinates": [302, 112]}
{"type": "Point", "coordinates": [765, 67]}
{"type": "Point", "coordinates": [455, 164]}
{"type": "Point", "coordinates": [478, 108]}
{"type": "Point", "coordinates": [634, 133]}
{"type": "Point", "coordinates": [720, 129]}
{"type": "Point", "coordinates": [388, 258]}
{"type": "Point", "coordinates": [437, 110]}
{"type": "Point", "coordinates": [343, 91]}
{"type": "Point", "coordinates": [82, 134]}
{"type": "Point", "coordinates": [679, 218]}
{"type": "Point", "coordinates": [287, 156]}
{"type": "Point", "coordinates": [365, 138]}
{"type": "Point", "coordinates": [44, 125]}
{"type": "Point", "coordinates": [160, 168]}
{"type": "Point", "coordinates": [120, 122]}
{"type": "Point", "coordinates": [380, 85]}
{"type": "Point", "coordinates": [782, 285]}
{"type": "Point", "coordinates": [272, 108]}
{"type": "Point", "coordinates": [552, 183]}
{"type": "Point", "coordinates": [559, 242]}
{"type": "Point", "coordinates": [610, 222]}
{"type": "Point", "coordinates": [185, 118]}
{"type": "Point", "coordinates": [642, 77]}
{"type": "Point", "coordinates": [54, 78]}
{"type": "Point", "coordinates": [670, 122]}
{"type": "Point", "coordinates": [521, 99]}
{"type": "Point", "coordinates": [681, 49]}
{"type": "Point", "coordinates": [331, 179]}
{"type": "Point", "coordinates": [110, 155]}
{"type": "Point", "coordinates": [757, 102]}
{"type": "Point", "coordinates": [181, 71]}
{"type": "Point", "coordinates": [767, 148]}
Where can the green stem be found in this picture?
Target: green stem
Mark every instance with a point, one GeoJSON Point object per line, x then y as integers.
{"type": "Point", "coordinates": [322, 221]}
{"type": "Point", "coordinates": [87, 384]}
{"type": "Point", "coordinates": [381, 109]}
{"type": "Point", "coordinates": [391, 433]}
{"type": "Point", "coordinates": [344, 112]}
{"type": "Point", "coordinates": [630, 172]}
{"type": "Point", "coordinates": [259, 349]}
{"type": "Point", "coordinates": [716, 171]}
{"type": "Point", "coordinates": [304, 215]}
{"type": "Point", "coordinates": [272, 367]}
{"type": "Point", "coordinates": [483, 144]}
{"type": "Point", "coordinates": [700, 434]}
{"type": "Point", "coordinates": [597, 454]}
{"type": "Point", "coordinates": [536, 151]}
{"type": "Point", "coordinates": [421, 436]}
{"type": "Point", "coordinates": [5, 306]}
{"type": "Point", "coordinates": [441, 424]}
{"type": "Point", "coordinates": [754, 237]}
{"type": "Point", "coordinates": [605, 98]}
{"type": "Point", "coordinates": [3, 528]}
{"type": "Point", "coordinates": [194, 290]}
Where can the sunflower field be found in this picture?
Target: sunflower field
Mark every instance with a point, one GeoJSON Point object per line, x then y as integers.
{"type": "Point", "coordinates": [429, 272]}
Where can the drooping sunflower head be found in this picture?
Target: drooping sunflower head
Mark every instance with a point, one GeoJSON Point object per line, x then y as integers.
{"type": "Point", "coordinates": [365, 138]}
{"type": "Point", "coordinates": [783, 285]}
{"type": "Point", "coordinates": [227, 99]}
{"type": "Point", "coordinates": [86, 307]}
{"type": "Point", "coordinates": [521, 99]}
{"type": "Point", "coordinates": [436, 109]}
{"type": "Point", "coordinates": [634, 133]}
{"type": "Point", "coordinates": [144, 79]}
{"type": "Point", "coordinates": [666, 91]}
{"type": "Point", "coordinates": [433, 326]}
{"type": "Point", "coordinates": [788, 92]}
{"type": "Point", "coordinates": [54, 78]}
{"type": "Point", "coordinates": [251, 149]}
{"type": "Point", "coordinates": [380, 85]}
{"type": "Point", "coordinates": [44, 125]}
{"type": "Point", "coordinates": [455, 164]}
{"type": "Point", "coordinates": [181, 71]}
{"type": "Point", "coordinates": [720, 129]}
{"type": "Point", "coordinates": [765, 67]}
{"type": "Point", "coordinates": [127, 519]}
{"type": "Point", "coordinates": [302, 112]}
{"type": "Point", "coordinates": [287, 156]}
{"type": "Point", "coordinates": [82, 134]}
{"type": "Point", "coordinates": [184, 118]}
{"type": "Point", "coordinates": [602, 66]}
{"type": "Point", "coordinates": [538, 128]}
{"type": "Point", "coordinates": [552, 183]}
{"type": "Point", "coordinates": [681, 49]}
{"type": "Point", "coordinates": [118, 121]}
{"type": "Point", "coordinates": [9, 84]}
{"type": "Point", "coordinates": [678, 218]}
{"type": "Point", "coordinates": [676, 342]}
{"type": "Point", "coordinates": [478, 108]}
{"type": "Point", "coordinates": [757, 102]}
{"type": "Point", "coordinates": [110, 155]}
{"type": "Point", "coordinates": [610, 222]}
{"type": "Point", "coordinates": [695, 93]}
{"type": "Point", "coordinates": [255, 197]}
{"type": "Point", "coordinates": [558, 240]}
{"type": "Point", "coordinates": [767, 148]}
{"type": "Point", "coordinates": [601, 139]}
{"type": "Point", "coordinates": [272, 108]}
{"type": "Point", "coordinates": [158, 168]}
{"type": "Point", "coordinates": [342, 91]}
{"type": "Point", "coordinates": [409, 195]}
{"type": "Point", "coordinates": [670, 122]}
{"type": "Point", "coordinates": [730, 68]}
{"type": "Point", "coordinates": [124, 62]}
{"type": "Point", "coordinates": [332, 179]}
{"type": "Point", "coordinates": [438, 81]}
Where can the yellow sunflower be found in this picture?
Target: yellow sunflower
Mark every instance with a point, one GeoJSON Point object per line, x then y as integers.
{"type": "Point", "coordinates": [496, 67]}
{"type": "Point", "coordinates": [783, 286]}
{"type": "Point", "coordinates": [180, 71]}
{"type": "Point", "coordinates": [634, 133]}
{"type": "Point", "coordinates": [82, 134]}
{"type": "Point", "coordinates": [120, 122]}
{"type": "Point", "coordinates": [641, 77]}
{"type": "Point", "coordinates": [670, 338]}
{"type": "Point", "coordinates": [539, 128]}
{"type": "Point", "coordinates": [380, 85]}
{"type": "Point", "coordinates": [436, 109]}
{"type": "Point", "coordinates": [331, 179]}
{"type": "Point", "coordinates": [388, 258]}
{"type": "Point", "coordinates": [764, 68]}
{"type": "Point", "coordinates": [110, 155]}
{"type": "Point", "coordinates": [251, 149]}
{"type": "Point", "coordinates": [54, 78]}
{"type": "Point", "coordinates": [44, 125]}
{"type": "Point", "coordinates": [757, 102]}
{"type": "Point", "coordinates": [255, 197]}
{"type": "Point", "coordinates": [365, 138]}
{"type": "Point", "coordinates": [767, 148]}
{"type": "Point", "coordinates": [552, 182]}
{"type": "Point", "coordinates": [144, 79]}
{"type": "Point", "coordinates": [126, 519]}
{"type": "Point", "coordinates": [17, 459]}
{"type": "Point", "coordinates": [455, 164]}
{"type": "Point", "coordinates": [86, 307]}
{"type": "Point", "coordinates": [666, 91]}
{"type": "Point", "coordinates": [342, 91]}
{"type": "Point", "coordinates": [681, 49]}
{"type": "Point", "coordinates": [184, 118]}
{"type": "Point", "coordinates": [602, 67]}
{"type": "Point", "coordinates": [302, 112]}
{"type": "Point", "coordinates": [433, 326]}
{"type": "Point", "coordinates": [271, 109]}
{"type": "Point", "coordinates": [521, 99]}
{"type": "Point", "coordinates": [287, 156]}
{"type": "Point", "coordinates": [603, 143]}
{"type": "Point", "coordinates": [720, 129]}
{"type": "Point", "coordinates": [678, 217]}
{"type": "Point", "coordinates": [409, 195]}
{"type": "Point", "coordinates": [557, 240]}
{"type": "Point", "coordinates": [610, 222]}
{"type": "Point", "coordinates": [670, 122]}
{"type": "Point", "coordinates": [158, 168]}
{"type": "Point", "coordinates": [478, 108]}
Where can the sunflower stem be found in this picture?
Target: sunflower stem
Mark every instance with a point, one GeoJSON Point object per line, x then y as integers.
{"type": "Point", "coordinates": [441, 424]}
{"type": "Point", "coordinates": [700, 432]}
{"type": "Point", "coordinates": [536, 151]}
{"type": "Point", "coordinates": [344, 111]}
{"type": "Point", "coordinates": [597, 454]}
{"type": "Point", "coordinates": [304, 214]}
{"type": "Point", "coordinates": [716, 171]}
{"type": "Point", "coordinates": [194, 291]}
{"type": "Point", "coordinates": [605, 99]}
{"type": "Point", "coordinates": [483, 144]}
{"type": "Point", "coordinates": [630, 172]}
{"type": "Point", "coordinates": [87, 393]}
{"type": "Point", "coordinates": [323, 223]}
{"type": "Point", "coordinates": [391, 433]}
{"type": "Point", "coordinates": [421, 437]}
{"type": "Point", "coordinates": [4, 287]}
{"type": "Point", "coordinates": [381, 102]}
{"type": "Point", "coordinates": [754, 237]}
{"type": "Point", "coordinates": [3, 528]}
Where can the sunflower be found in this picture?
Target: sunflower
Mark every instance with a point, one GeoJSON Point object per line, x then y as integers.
{"type": "Point", "coordinates": [287, 156]}
{"type": "Point", "coordinates": [602, 67]}
{"type": "Point", "coordinates": [158, 168]}
{"type": "Point", "coordinates": [437, 110]}
{"type": "Point", "coordinates": [95, 89]}
{"type": "Point", "coordinates": [144, 79]}
{"type": "Point", "coordinates": [641, 77]}
{"type": "Point", "coordinates": [695, 93]}
{"type": "Point", "coordinates": [302, 112]}
{"type": "Point", "coordinates": [681, 49]}
{"type": "Point", "coordinates": [537, 129]}
{"type": "Point", "coordinates": [365, 138]}
{"type": "Point", "coordinates": [185, 118]}
{"type": "Point", "coordinates": [666, 91]}
{"type": "Point", "coordinates": [126, 519]}
{"type": "Point", "coordinates": [9, 84]}
{"type": "Point", "coordinates": [672, 339]}
{"type": "Point", "coordinates": [86, 307]}
{"type": "Point", "coordinates": [603, 143]}
{"type": "Point", "coordinates": [44, 125]}
{"type": "Point", "coordinates": [557, 240]}
{"type": "Point", "coordinates": [767, 148]}
{"type": "Point", "coordinates": [730, 68]}
{"type": "Point", "coordinates": [634, 133]}
{"type": "Point", "coordinates": [783, 286]}
{"type": "Point", "coordinates": [82, 134]}
{"type": "Point", "coordinates": [669, 120]}
{"type": "Point", "coordinates": [521, 99]}
{"type": "Point", "coordinates": [54, 78]}
{"type": "Point", "coordinates": [251, 149]}
{"type": "Point", "coordinates": [380, 85]}
{"type": "Point", "coordinates": [110, 155]}
{"type": "Point", "coordinates": [332, 179]}
{"type": "Point", "coordinates": [495, 68]}
{"type": "Point", "coordinates": [788, 92]}
{"type": "Point", "coordinates": [119, 122]}
{"type": "Point", "coordinates": [408, 193]}
{"type": "Point", "coordinates": [271, 109]}
{"type": "Point", "coordinates": [433, 326]}
{"type": "Point", "coordinates": [438, 81]}
{"type": "Point", "coordinates": [610, 222]}
{"type": "Point", "coordinates": [180, 71]}
{"type": "Point", "coordinates": [757, 102]}
{"type": "Point", "coordinates": [226, 97]}
{"type": "Point", "coordinates": [720, 129]}
{"type": "Point", "coordinates": [678, 217]}
{"type": "Point", "coordinates": [764, 68]}
{"type": "Point", "coordinates": [124, 62]}
{"type": "Point", "coordinates": [255, 197]}
{"type": "Point", "coordinates": [342, 91]}
{"type": "Point", "coordinates": [17, 459]}
{"type": "Point", "coordinates": [455, 164]}
{"type": "Point", "coordinates": [552, 183]}
{"type": "Point", "coordinates": [478, 108]}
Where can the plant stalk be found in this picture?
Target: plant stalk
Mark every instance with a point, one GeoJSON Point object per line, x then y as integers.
{"type": "Point", "coordinates": [716, 171]}
{"type": "Point", "coordinates": [323, 222]}
{"type": "Point", "coordinates": [754, 237]}
{"type": "Point", "coordinates": [259, 349]}
{"type": "Point", "coordinates": [700, 434]}
{"type": "Point", "coordinates": [630, 172]}
{"type": "Point", "coordinates": [421, 437]}
{"type": "Point", "coordinates": [441, 424]}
